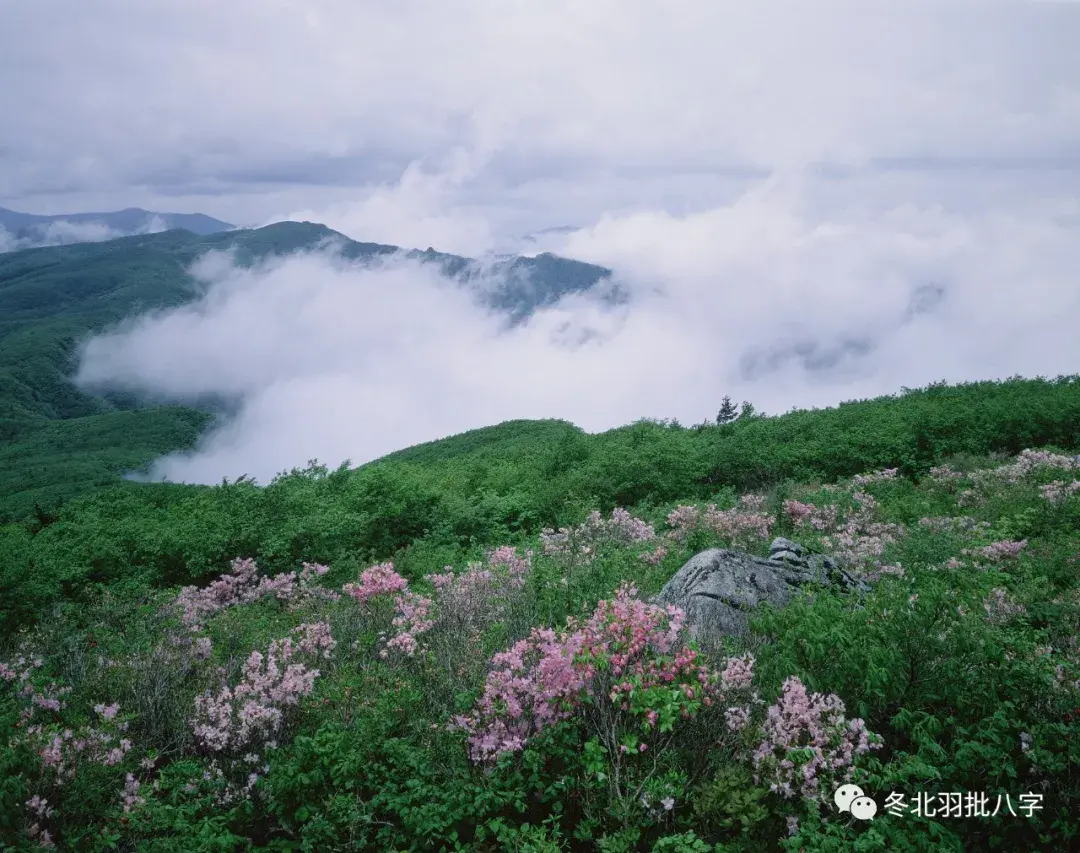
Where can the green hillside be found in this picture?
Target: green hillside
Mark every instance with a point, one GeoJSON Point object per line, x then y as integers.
{"type": "Point", "coordinates": [52, 298]}
{"type": "Point", "coordinates": [396, 726]}
{"type": "Point", "coordinates": [453, 647]}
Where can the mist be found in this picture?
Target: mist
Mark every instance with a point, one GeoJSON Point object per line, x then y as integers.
{"type": "Point", "coordinates": [61, 232]}
{"type": "Point", "coordinates": [807, 203]}
{"type": "Point", "coordinates": [798, 293]}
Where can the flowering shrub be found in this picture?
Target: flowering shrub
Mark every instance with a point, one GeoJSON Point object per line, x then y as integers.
{"type": "Point", "coordinates": [1024, 465]}
{"type": "Point", "coordinates": [1001, 607]}
{"type": "Point", "coordinates": [997, 552]}
{"type": "Point", "coordinates": [861, 541]}
{"type": "Point", "coordinates": [67, 754]}
{"type": "Point", "coordinates": [627, 652]}
{"type": "Point", "coordinates": [463, 604]}
{"type": "Point", "coordinates": [807, 515]}
{"type": "Point", "coordinates": [240, 586]}
{"type": "Point", "coordinates": [875, 477]}
{"type": "Point", "coordinates": [1058, 492]}
{"type": "Point", "coordinates": [34, 697]}
{"type": "Point", "coordinates": [376, 581]}
{"type": "Point", "coordinates": [581, 544]}
{"type": "Point", "coordinates": [479, 596]}
{"type": "Point", "coordinates": [745, 525]}
{"type": "Point", "coordinates": [63, 749]}
{"type": "Point", "coordinates": [955, 524]}
{"type": "Point", "coordinates": [252, 713]}
{"type": "Point", "coordinates": [412, 620]}
{"type": "Point", "coordinates": [808, 746]}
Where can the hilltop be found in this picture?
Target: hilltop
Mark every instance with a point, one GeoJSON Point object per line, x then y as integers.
{"type": "Point", "coordinates": [28, 230]}
{"type": "Point", "coordinates": [58, 440]}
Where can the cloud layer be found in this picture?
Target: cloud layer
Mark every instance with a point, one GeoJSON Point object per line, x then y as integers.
{"type": "Point", "coordinates": [256, 109]}
{"type": "Point", "coordinates": [775, 298]}
{"type": "Point", "coordinates": [810, 202]}
{"type": "Point", "coordinates": [60, 232]}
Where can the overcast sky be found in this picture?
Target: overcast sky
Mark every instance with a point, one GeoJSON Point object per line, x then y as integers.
{"type": "Point", "coordinates": [811, 201]}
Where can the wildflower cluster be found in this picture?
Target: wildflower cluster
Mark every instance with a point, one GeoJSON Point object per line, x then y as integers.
{"type": "Point", "coordinates": [1000, 607]}
{"type": "Point", "coordinates": [1058, 491]}
{"type": "Point", "coordinates": [861, 541]}
{"type": "Point", "coordinates": [808, 745]}
{"type": "Point", "coordinates": [252, 713]}
{"type": "Point", "coordinates": [626, 653]}
{"type": "Point", "coordinates": [240, 586]}
{"type": "Point", "coordinates": [582, 543]}
{"type": "Point", "coordinates": [747, 523]}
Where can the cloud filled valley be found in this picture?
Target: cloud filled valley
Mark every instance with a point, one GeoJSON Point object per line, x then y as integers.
{"type": "Point", "coordinates": [792, 295]}
{"type": "Point", "coordinates": [805, 204]}
{"type": "Point", "coordinates": [694, 392]}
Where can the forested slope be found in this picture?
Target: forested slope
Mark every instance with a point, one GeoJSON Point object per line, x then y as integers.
{"type": "Point", "coordinates": [53, 298]}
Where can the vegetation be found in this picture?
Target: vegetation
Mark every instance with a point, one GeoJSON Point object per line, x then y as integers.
{"type": "Point", "coordinates": [58, 440]}
{"type": "Point", "coordinates": [451, 648]}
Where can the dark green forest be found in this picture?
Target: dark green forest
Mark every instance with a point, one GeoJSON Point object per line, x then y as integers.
{"type": "Point", "coordinates": [453, 647]}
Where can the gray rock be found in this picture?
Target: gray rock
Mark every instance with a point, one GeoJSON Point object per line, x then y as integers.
{"type": "Point", "coordinates": [718, 588]}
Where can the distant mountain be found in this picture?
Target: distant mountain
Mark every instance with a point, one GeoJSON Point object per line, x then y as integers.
{"type": "Point", "coordinates": [30, 230]}
{"type": "Point", "coordinates": [52, 298]}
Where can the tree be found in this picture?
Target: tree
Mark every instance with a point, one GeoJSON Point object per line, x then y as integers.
{"type": "Point", "coordinates": [727, 412]}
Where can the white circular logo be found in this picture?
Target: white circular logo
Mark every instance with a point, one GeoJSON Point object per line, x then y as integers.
{"type": "Point", "coordinates": [863, 808]}
{"type": "Point", "coordinates": [851, 798]}
{"type": "Point", "coordinates": [845, 794]}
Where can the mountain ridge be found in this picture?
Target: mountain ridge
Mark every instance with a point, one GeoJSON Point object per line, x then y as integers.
{"type": "Point", "coordinates": [53, 297]}
{"type": "Point", "coordinates": [125, 222]}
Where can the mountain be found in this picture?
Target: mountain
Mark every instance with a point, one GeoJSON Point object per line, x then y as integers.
{"type": "Point", "coordinates": [29, 230]}
{"type": "Point", "coordinates": [56, 440]}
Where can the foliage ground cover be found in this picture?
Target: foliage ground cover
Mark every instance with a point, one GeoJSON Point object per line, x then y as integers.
{"type": "Point", "coordinates": [354, 660]}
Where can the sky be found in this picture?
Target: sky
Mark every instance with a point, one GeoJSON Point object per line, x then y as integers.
{"type": "Point", "coordinates": [808, 202]}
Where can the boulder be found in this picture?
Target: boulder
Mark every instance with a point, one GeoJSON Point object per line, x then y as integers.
{"type": "Point", "coordinates": [718, 588]}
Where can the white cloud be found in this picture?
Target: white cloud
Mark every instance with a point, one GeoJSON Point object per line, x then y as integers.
{"type": "Point", "coordinates": [61, 232]}
{"type": "Point", "coordinates": [419, 211]}
{"type": "Point", "coordinates": [236, 106]}
{"type": "Point", "coordinates": [785, 187]}
{"type": "Point", "coordinates": [767, 299]}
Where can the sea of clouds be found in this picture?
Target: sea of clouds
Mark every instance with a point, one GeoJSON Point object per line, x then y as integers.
{"type": "Point", "coordinates": [807, 203]}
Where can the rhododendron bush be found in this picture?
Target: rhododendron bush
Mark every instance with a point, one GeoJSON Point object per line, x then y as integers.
{"type": "Point", "coordinates": [626, 676]}
{"type": "Point", "coordinates": [479, 695]}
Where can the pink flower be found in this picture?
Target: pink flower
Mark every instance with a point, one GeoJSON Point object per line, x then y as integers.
{"type": "Point", "coordinates": [378, 580]}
